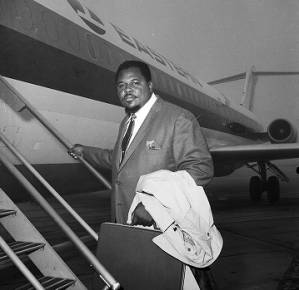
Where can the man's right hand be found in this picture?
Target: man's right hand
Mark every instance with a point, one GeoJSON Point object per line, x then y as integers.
{"type": "Point", "coordinates": [141, 216]}
{"type": "Point", "coordinates": [76, 151]}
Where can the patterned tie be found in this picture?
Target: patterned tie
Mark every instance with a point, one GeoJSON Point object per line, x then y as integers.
{"type": "Point", "coordinates": [127, 136]}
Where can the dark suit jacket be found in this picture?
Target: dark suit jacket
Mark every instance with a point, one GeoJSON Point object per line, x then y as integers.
{"type": "Point", "coordinates": [169, 138]}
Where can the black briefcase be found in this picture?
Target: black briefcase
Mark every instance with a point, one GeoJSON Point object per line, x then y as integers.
{"type": "Point", "coordinates": [129, 254]}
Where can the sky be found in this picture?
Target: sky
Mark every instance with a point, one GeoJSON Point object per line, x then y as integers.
{"type": "Point", "coordinates": [212, 38]}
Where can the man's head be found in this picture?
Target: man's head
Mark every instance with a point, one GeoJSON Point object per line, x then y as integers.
{"type": "Point", "coordinates": [134, 85]}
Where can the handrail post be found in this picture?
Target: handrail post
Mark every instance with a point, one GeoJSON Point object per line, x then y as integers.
{"type": "Point", "coordinates": [55, 132]}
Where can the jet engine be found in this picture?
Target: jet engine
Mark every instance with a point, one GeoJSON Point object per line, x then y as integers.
{"type": "Point", "coordinates": [281, 131]}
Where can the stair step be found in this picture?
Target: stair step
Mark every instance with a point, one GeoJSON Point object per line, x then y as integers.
{"type": "Point", "coordinates": [50, 283]}
{"type": "Point", "coordinates": [6, 212]}
{"type": "Point", "coordinates": [20, 248]}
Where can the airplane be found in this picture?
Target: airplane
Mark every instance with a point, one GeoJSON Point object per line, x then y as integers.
{"type": "Point", "coordinates": [61, 56]}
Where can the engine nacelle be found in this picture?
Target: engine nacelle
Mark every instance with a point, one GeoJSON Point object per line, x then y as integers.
{"type": "Point", "coordinates": [281, 131]}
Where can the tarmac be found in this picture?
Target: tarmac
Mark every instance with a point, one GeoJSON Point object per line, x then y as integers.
{"type": "Point", "coordinates": [261, 241]}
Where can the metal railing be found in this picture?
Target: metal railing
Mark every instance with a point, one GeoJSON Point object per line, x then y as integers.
{"type": "Point", "coordinates": [55, 132]}
{"type": "Point", "coordinates": [104, 274]}
{"type": "Point", "coordinates": [48, 186]}
{"type": "Point", "coordinates": [20, 265]}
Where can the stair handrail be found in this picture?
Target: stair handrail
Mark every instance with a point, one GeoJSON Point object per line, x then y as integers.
{"type": "Point", "coordinates": [107, 278]}
{"type": "Point", "coordinates": [54, 193]}
{"type": "Point", "coordinates": [54, 131]}
{"type": "Point", "coordinates": [20, 265]}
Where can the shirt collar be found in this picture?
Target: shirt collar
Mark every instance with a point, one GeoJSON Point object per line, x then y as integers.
{"type": "Point", "coordinates": [143, 111]}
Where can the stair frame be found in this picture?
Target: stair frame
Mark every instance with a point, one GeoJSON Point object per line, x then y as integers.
{"type": "Point", "coordinates": [46, 259]}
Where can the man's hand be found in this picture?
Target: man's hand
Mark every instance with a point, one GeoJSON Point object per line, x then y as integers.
{"type": "Point", "coordinates": [76, 150]}
{"type": "Point", "coordinates": [141, 216]}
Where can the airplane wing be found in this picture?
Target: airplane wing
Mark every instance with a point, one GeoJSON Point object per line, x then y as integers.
{"type": "Point", "coordinates": [256, 152]}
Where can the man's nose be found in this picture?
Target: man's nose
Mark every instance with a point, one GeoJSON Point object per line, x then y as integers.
{"type": "Point", "coordinates": [128, 87]}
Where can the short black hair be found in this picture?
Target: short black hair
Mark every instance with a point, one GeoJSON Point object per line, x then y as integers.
{"type": "Point", "coordinates": [142, 66]}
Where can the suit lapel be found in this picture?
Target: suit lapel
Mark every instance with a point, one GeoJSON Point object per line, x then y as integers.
{"type": "Point", "coordinates": [146, 125]}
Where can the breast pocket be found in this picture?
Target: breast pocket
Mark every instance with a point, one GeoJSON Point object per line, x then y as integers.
{"type": "Point", "coordinates": [157, 154]}
{"type": "Point", "coordinates": [152, 145]}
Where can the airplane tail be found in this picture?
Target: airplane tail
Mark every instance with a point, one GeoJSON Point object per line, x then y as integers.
{"type": "Point", "coordinates": [250, 80]}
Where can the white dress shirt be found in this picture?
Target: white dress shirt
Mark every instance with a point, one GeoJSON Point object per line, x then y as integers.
{"type": "Point", "coordinates": [141, 114]}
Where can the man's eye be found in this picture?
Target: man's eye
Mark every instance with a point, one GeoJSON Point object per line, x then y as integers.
{"type": "Point", "coordinates": [121, 86]}
{"type": "Point", "coordinates": [135, 83]}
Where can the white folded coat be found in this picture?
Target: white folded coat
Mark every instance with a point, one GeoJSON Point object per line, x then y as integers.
{"type": "Point", "coordinates": [182, 211]}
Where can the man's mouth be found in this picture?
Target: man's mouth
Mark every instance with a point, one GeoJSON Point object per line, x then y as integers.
{"type": "Point", "coordinates": [129, 98]}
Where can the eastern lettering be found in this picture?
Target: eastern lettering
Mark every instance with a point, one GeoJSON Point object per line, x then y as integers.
{"type": "Point", "coordinates": [157, 57]}
{"type": "Point", "coordinates": [142, 48]}
{"type": "Point", "coordinates": [95, 23]}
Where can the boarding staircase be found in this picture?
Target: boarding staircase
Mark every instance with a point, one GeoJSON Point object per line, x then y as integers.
{"type": "Point", "coordinates": [50, 271]}
{"type": "Point", "coordinates": [54, 273]}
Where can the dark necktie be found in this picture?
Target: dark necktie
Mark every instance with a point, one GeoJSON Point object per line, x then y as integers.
{"type": "Point", "coordinates": [127, 136]}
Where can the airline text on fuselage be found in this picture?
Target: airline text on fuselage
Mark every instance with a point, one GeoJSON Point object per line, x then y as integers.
{"type": "Point", "coordinates": [96, 25]}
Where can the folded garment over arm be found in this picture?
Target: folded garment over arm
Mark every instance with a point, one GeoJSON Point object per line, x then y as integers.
{"type": "Point", "coordinates": [181, 210]}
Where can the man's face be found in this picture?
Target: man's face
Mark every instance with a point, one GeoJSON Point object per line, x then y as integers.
{"type": "Point", "coordinates": [132, 89]}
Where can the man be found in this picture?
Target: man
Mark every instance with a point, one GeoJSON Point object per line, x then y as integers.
{"type": "Point", "coordinates": [163, 136]}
